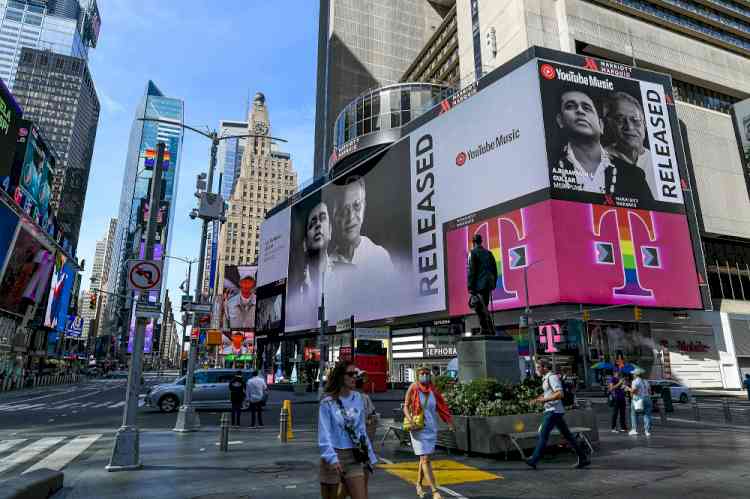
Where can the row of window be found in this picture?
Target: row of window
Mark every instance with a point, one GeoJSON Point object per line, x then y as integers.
{"type": "Point", "coordinates": [734, 7]}
{"type": "Point", "coordinates": [710, 14]}
{"type": "Point", "coordinates": [449, 30]}
{"type": "Point", "coordinates": [703, 97]}
{"type": "Point", "coordinates": [685, 22]}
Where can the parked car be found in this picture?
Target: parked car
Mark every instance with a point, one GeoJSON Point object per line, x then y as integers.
{"type": "Point", "coordinates": [210, 391]}
{"type": "Point", "coordinates": [678, 390]}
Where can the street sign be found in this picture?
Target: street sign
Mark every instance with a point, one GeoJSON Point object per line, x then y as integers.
{"type": "Point", "coordinates": [345, 324]}
{"type": "Point", "coordinates": [144, 275]}
{"type": "Point", "coordinates": [147, 310]}
{"type": "Point", "coordinates": [198, 308]}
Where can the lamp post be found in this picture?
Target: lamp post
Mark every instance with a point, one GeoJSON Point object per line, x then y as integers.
{"type": "Point", "coordinates": [527, 315]}
{"type": "Point", "coordinates": [187, 418]}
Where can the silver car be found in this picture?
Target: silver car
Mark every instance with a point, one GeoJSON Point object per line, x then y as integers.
{"type": "Point", "coordinates": [210, 391]}
{"type": "Point", "coordinates": [677, 390]}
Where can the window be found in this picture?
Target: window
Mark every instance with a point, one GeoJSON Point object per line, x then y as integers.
{"type": "Point", "coordinates": [200, 378]}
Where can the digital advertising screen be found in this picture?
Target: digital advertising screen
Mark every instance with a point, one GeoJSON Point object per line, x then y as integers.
{"type": "Point", "coordinates": [63, 275]}
{"type": "Point", "coordinates": [269, 317]}
{"type": "Point", "coordinates": [27, 273]}
{"type": "Point", "coordinates": [8, 226]}
{"type": "Point", "coordinates": [33, 172]}
{"type": "Point", "coordinates": [239, 300]}
{"type": "Point", "coordinates": [10, 114]}
{"type": "Point", "coordinates": [273, 259]}
{"type": "Point", "coordinates": [609, 138]}
{"type": "Point", "coordinates": [238, 342]}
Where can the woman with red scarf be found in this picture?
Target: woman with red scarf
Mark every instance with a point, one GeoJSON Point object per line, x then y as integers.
{"type": "Point", "coordinates": [423, 398]}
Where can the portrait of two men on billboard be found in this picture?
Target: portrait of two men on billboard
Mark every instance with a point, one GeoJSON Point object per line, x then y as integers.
{"type": "Point", "coordinates": [597, 130]}
{"type": "Point", "coordinates": [350, 240]}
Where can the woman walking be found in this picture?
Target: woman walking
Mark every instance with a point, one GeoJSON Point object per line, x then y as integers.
{"type": "Point", "coordinates": [345, 451]}
{"type": "Point", "coordinates": [617, 402]}
{"type": "Point", "coordinates": [422, 398]}
{"type": "Point", "coordinates": [640, 404]}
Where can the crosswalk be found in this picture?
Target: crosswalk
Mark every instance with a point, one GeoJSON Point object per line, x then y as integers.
{"type": "Point", "coordinates": [23, 455]}
{"type": "Point", "coordinates": [56, 407]}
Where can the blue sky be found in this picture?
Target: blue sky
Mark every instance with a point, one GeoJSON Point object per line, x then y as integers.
{"type": "Point", "coordinates": [211, 54]}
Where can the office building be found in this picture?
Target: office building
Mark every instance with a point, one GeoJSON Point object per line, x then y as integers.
{"type": "Point", "coordinates": [266, 177]}
{"type": "Point", "coordinates": [365, 44]}
{"type": "Point", "coordinates": [57, 93]}
{"type": "Point", "coordinates": [65, 27]}
{"type": "Point", "coordinates": [129, 240]}
{"type": "Point", "coordinates": [100, 273]}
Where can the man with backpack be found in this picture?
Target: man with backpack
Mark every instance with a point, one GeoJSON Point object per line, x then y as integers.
{"type": "Point", "coordinates": [554, 413]}
{"type": "Point", "coordinates": [237, 397]}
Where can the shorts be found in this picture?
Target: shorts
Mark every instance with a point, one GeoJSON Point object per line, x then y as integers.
{"type": "Point", "coordinates": [328, 473]}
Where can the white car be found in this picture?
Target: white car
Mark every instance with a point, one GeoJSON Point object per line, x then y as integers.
{"type": "Point", "coordinates": [678, 391]}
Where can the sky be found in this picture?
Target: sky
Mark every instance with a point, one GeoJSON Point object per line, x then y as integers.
{"type": "Point", "coordinates": [214, 55]}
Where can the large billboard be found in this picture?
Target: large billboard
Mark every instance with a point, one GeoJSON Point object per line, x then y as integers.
{"type": "Point", "coordinates": [238, 309]}
{"type": "Point", "coordinates": [273, 261]}
{"type": "Point", "coordinates": [10, 114]}
{"type": "Point", "coordinates": [33, 172]}
{"type": "Point", "coordinates": [63, 275]}
{"type": "Point", "coordinates": [570, 172]}
{"type": "Point", "coordinates": [269, 317]}
{"type": "Point", "coordinates": [8, 225]}
{"type": "Point", "coordinates": [27, 272]}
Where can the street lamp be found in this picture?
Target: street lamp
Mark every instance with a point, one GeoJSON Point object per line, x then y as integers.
{"type": "Point", "coordinates": [527, 313]}
{"type": "Point", "coordinates": [187, 418]}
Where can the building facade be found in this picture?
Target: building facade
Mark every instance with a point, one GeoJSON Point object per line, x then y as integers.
{"type": "Point", "coordinates": [131, 222]}
{"type": "Point", "coordinates": [704, 45]}
{"type": "Point", "coordinates": [100, 275]}
{"type": "Point", "coordinates": [66, 27]}
{"type": "Point", "coordinates": [57, 93]}
{"type": "Point", "coordinates": [365, 44]}
{"type": "Point", "coordinates": [266, 177]}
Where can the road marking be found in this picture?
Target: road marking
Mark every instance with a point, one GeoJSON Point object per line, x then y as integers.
{"type": "Point", "coordinates": [86, 404]}
{"type": "Point", "coordinates": [452, 492]}
{"type": "Point", "coordinates": [115, 406]}
{"type": "Point", "coordinates": [447, 472]}
{"type": "Point", "coordinates": [65, 454]}
{"type": "Point", "coordinates": [7, 444]}
{"type": "Point", "coordinates": [97, 406]}
{"type": "Point", "coordinates": [28, 452]}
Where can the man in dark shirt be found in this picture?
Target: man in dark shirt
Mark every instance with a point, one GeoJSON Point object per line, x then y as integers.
{"type": "Point", "coordinates": [482, 279]}
{"type": "Point", "coordinates": [237, 397]}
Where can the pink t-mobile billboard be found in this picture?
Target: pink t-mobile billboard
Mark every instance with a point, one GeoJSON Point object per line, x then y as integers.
{"type": "Point", "coordinates": [577, 253]}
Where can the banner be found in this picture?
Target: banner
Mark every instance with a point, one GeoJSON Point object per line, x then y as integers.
{"type": "Point", "coordinates": [74, 326]}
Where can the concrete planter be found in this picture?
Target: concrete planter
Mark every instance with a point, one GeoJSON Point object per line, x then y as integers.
{"type": "Point", "coordinates": [300, 388]}
{"type": "Point", "coordinates": [485, 435]}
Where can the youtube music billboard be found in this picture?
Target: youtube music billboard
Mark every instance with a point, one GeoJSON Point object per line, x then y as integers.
{"type": "Point", "coordinates": [571, 171]}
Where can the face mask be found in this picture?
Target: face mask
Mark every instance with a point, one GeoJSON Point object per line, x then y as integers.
{"type": "Point", "coordinates": [424, 378]}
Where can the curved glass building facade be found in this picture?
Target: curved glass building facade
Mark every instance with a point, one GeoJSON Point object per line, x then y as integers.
{"type": "Point", "coordinates": [386, 108]}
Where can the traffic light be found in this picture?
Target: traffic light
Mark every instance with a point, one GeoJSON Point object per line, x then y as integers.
{"type": "Point", "coordinates": [638, 313]}
{"type": "Point", "coordinates": [92, 300]}
{"type": "Point", "coordinates": [586, 315]}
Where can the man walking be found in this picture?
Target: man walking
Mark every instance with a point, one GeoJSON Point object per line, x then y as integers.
{"type": "Point", "coordinates": [482, 279]}
{"type": "Point", "coordinates": [257, 391]}
{"type": "Point", "coordinates": [553, 415]}
{"type": "Point", "coordinates": [237, 396]}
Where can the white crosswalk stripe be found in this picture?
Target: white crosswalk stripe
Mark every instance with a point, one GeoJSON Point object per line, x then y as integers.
{"type": "Point", "coordinates": [27, 453]}
{"type": "Point", "coordinates": [115, 406]}
{"type": "Point", "coordinates": [9, 444]}
{"type": "Point", "coordinates": [65, 454]}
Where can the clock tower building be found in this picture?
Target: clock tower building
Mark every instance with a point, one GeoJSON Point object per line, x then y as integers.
{"type": "Point", "coordinates": [266, 177]}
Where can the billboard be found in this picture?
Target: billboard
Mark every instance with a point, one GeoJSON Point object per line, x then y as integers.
{"type": "Point", "coordinates": [10, 114]}
{"type": "Point", "coordinates": [238, 310]}
{"type": "Point", "coordinates": [63, 275]}
{"type": "Point", "coordinates": [74, 326]}
{"type": "Point", "coordinates": [273, 259]}
{"type": "Point", "coordinates": [575, 167]}
{"type": "Point", "coordinates": [8, 225]}
{"type": "Point", "coordinates": [27, 273]}
{"type": "Point", "coordinates": [238, 342]}
{"type": "Point", "coordinates": [609, 139]}
{"type": "Point", "coordinates": [33, 172]}
{"type": "Point", "coordinates": [269, 318]}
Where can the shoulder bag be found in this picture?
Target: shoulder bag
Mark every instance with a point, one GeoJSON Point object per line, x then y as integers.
{"type": "Point", "coordinates": [414, 422]}
{"type": "Point", "coordinates": [361, 448]}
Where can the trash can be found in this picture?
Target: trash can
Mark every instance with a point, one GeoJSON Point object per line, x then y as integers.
{"type": "Point", "coordinates": [666, 396]}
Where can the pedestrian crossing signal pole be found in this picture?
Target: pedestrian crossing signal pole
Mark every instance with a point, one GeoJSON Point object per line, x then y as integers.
{"type": "Point", "coordinates": [126, 454]}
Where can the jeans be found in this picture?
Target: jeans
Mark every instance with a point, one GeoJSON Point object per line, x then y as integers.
{"type": "Point", "coordinates": [550, 421]}
{"type": "Point", "coordinates": [256, 408]}
{"type": "Point", "coordinates": [236, 412]}
{"type": "Point", "coordinates": [619, 410]}
{"type": "Point", "coordinates": [647, 408]}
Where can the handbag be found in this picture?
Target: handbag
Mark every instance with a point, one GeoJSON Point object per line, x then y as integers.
{"type": "Point", "coordinates": [638, 405]}
{"type": "Point", "coordinates": [361, 448]}
{"type": "Point", "coordinates": [414, 422]}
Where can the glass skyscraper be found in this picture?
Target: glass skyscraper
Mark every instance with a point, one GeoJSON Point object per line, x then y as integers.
{"type": "Point", "coordinates": [66, 27]}
{"type": "Point", "coordinates": [131, 227]}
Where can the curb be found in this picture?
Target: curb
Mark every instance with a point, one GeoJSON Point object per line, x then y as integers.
{"type": "Point", "coordinates": [39, 484]}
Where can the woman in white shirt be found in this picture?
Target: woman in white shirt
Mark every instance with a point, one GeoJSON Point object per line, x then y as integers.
{"type": "Point", "coordinates": [342, 436]}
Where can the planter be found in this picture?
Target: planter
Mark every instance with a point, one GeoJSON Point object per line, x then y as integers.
{"type": "Point", "coordinates": [300, 388]}
{"type": "Point", "coordinates": [485, 435]}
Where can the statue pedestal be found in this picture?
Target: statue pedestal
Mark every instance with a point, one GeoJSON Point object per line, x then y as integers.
{"type": "Point", "coordinates": [488, 357]}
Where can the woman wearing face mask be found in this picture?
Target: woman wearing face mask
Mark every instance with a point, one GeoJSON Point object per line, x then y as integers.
{"type": "Point", "coordinates": [423, 398]}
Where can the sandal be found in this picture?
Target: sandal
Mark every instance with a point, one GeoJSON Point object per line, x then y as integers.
{"type": "Point", "coordinates": [420, 492]}
{"type": "Point", "coordinates": [436, 495]}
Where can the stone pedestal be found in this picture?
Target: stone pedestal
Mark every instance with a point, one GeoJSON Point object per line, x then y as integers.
{"type": "Point", "coordinates": [488, 357]}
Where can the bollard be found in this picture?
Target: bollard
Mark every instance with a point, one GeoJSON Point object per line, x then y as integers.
{"type": "Point", "coordinates": [289, 423]}
{"type": "Point", "coordinates": [224, 436]}
{"type": "Point", "coordinates": [727, 411]}
{"type": "Point", "coordinates": [663, 412]}
{"type": "Point", "coordinates": [283, 425]}
{"type": "Point", "coordinates": [696, 411]}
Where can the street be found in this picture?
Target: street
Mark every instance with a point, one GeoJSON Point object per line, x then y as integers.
{"type": "Point", "coordinates": [72, 428]}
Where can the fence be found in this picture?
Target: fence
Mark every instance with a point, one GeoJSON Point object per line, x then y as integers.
{"type": "Point", "coordinates": [10, 383]}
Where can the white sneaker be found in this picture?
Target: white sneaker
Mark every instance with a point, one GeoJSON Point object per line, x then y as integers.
{"type": "Point", "coordinates": [648, 434]}
{"type": "Point", "coordinates": [615, 431]}
{"type": "Point", "coordinates": [633, 433]}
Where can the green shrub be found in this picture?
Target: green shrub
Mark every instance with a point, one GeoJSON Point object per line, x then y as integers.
{"type": "Point", "coordinates": [488, 397]}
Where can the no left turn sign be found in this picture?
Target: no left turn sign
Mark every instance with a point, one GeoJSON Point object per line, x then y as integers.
{"type": "Point", "coordinates": [144, 275]}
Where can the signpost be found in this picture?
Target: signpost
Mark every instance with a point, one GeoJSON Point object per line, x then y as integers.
{"type": "Point", "coordinates": [144, 275]}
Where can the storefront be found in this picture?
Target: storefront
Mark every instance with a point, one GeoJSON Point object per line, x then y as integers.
{"type": "Point", "coordinates": [434, 345]}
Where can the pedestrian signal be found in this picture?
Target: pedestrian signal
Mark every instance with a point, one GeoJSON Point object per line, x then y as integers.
{"type": "Point", "coordinates": [92, 301]}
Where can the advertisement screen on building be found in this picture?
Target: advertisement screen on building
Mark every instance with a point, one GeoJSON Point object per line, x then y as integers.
{"type": "Point", "coordinates": [27, 273]}
{"type": "Point", "coordinates": [269, 316]}
{"type": "Point", "coordinates": [10, 114]}
{"type": "Point", "coordinates": [33, 172]}
{"type": "Point", "coordinates": [239, 300]}
{"type": "Point", "coordinates": [610, 139]}
{"type": "Point", "coordinates": [238, 342]}
{"type": "Point", "coordinates": [61, 286]}
{"type": "Point", "coordinates": [273, 259]}
{"type": "Point", "coordinates": [8, 226]}
{"type": "Point", "coordinates": [74, 326]}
